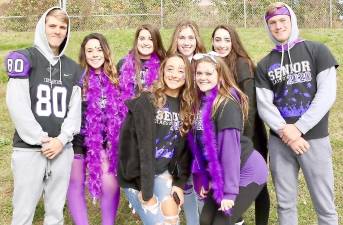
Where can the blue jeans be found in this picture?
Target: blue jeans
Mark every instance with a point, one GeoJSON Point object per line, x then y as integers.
{"type": "Point", "coordinates": [153, 215]}
{"type": "Point", "coordinates": [191, 206]}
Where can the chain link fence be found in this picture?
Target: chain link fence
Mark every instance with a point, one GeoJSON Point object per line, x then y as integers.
{"type": "Point", "coordinates": [22, 15]}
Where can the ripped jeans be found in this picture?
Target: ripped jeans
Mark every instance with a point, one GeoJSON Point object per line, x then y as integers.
{"type": "Point", "coordinates": [156, 214]}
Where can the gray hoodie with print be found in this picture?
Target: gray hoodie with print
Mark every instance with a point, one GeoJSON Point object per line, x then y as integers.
{"type": "Point", "coordinates": [323, 75]}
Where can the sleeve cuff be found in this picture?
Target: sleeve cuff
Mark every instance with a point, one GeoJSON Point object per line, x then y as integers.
{"type": "Point", "coordinates": [230, 196]}
{"type": "Point", "coordinates": [42, 135]}
{"type": "Point", "coordinates": [63, 138]}
{"type": "Point", "coordinates": [279, 127]}
{"type": "Point", "coordinates": [301, 127]}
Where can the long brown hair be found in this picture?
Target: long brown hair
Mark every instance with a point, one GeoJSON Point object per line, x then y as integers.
{"type": "Point", "coordinates": [186, 94]}
{"type": "Point", "coordinates": [200, 47]}
{"type": "Point", "coordinates": [237, 51]}
{"type": "Point", "coordinates": [156, 40]}
{"type": "Point", "coordinates": [109, 68]}
{"type": "Point", "coordinates": [226, 81]}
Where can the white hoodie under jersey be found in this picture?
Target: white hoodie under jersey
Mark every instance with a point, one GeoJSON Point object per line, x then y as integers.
{"type": "Point", "coordinates": [43, 93]}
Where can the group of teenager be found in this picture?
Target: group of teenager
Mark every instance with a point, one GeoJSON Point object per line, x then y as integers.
{"type": "Point", "coordinates": [182, 128]}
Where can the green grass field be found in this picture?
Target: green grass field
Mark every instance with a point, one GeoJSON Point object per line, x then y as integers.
{"type": "Point", "coordinates": [257, 44]}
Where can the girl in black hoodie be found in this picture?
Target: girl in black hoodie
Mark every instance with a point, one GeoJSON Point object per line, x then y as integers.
{"type": "Point", "coordinates": [153, 163]}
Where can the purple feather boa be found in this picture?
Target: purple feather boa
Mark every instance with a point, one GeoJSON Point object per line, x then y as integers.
{"type": "Point", "coordinates": [200, 175]}
{"type": "Point", "coordinates": [196, 151]}
{"type": "Point", "coordinates": [101, 126]}
{"type": "Point", "coordinates": [128, 74]}
{"type": "Point", "coordinates": [210, 148]}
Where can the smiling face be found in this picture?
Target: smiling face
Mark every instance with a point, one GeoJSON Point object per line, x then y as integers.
{"type": "Point", "coordinates": [206, 76]}
{"type": "Point", "coordinates": [221, 42]}
{"type": "Point", "coordinates": [145, 44]}
{"type": "Point", "coordinates": [280, 27]}
{"type": "Point", "coordinates": [55, 31]}
{"type": "Point", "coordinates": [174, 75]}
{"type": "Point", "coordinates": [94, 54]}
{"type": "Point", "coordinates": [186, 42]}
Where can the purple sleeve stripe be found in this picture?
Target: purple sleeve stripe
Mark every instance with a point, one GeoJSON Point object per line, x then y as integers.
{"type": "Point", "coordinates": [82, 78]}
{"type": "Point", "coordinates": [17, 65]}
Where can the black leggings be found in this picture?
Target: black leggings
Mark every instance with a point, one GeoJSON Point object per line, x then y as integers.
{"type": "Point", "coordinates": [262, 202]}
{"type": "Point", "coordinates": [262, 205]}
{"type": "Point", "coordinates": [210, 215]}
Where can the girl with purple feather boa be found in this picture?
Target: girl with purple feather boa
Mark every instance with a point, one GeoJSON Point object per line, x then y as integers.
{"type": "Point", "coordinates": [95, 149]}
{"type": "Point", "coordinates": [232, 172]}
{"type": "Point", "coordinates": [139, 69]}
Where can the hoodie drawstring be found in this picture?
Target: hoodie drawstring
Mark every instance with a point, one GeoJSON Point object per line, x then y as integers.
{"type": "Point", "coordinates": [47, 172]}
{"type": "Point", "coordinates": [59, 60]}
{"type": "Point", "coordinates": [282, 56]}
{"type": "Point", "coordinates": [289, 54]}
{"type": "Point", "coordinates": [50, 74]}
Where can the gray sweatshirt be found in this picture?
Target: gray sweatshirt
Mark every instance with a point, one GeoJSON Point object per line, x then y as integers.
{"type": "Point", "coordinates": [43, 96]}
{"type": "Point", "coordinates": [296, 84]}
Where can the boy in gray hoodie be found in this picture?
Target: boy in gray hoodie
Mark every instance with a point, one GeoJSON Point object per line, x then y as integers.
{"type": "Point", "coordinates": [44, 101]}
{"type": "Point", "coordinates": [295, 89]}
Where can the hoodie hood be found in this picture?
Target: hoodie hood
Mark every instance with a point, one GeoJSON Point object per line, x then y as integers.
{"type": "Point", "coordinates": [41, 41]}
{"type": "Point", "coordinates": [294, 36]}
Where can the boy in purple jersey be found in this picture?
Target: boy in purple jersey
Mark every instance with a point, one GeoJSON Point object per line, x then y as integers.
{"type": "Point", "coordinates": [295, 88]}
{"type": "Point", "coordinates": [44, 102]}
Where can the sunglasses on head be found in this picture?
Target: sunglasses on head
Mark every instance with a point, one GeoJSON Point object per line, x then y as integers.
{"type": "Point", "coordinates": [210, 55]}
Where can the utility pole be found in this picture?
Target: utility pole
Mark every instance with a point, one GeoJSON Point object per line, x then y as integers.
{"type": "Point", "coordinates": [63, 4]}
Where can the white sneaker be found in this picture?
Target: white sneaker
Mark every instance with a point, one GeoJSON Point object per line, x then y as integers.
{"type": "Point", "coordinates": [240, 222]}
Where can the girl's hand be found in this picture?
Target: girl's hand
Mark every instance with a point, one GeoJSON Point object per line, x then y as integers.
{"type": "Point", "coordinates": [179, 193]}
{"type": "Point", "coordinates": [150, 202]}
{"type": "Point", "coordinates": [226, 204]}
{"type": "Point", "coordinates": [203, 192]}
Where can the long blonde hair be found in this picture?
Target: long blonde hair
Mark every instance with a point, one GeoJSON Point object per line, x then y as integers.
{"type": "Point", "coordinates": [226, 82]}
{"type": "Point", "coordinates": [200, 47]}
{"type": "Point", "coordinates": [186, 95]}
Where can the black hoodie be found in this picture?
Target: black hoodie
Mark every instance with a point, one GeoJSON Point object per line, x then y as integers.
{"type": "Point", "coordinates": [137, 150]}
